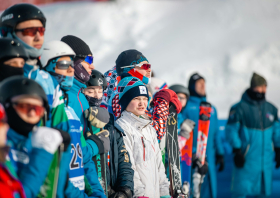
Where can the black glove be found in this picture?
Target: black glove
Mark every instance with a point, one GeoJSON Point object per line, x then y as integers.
{"type": "Point", "coordinates": [277, 157]}
{"type": "Point", "coordinates": [220, 161]}
{"type": "Point", "coordinates": [123, 192]}
{"type": "Point", "coordinates": [186, 128]}
{"type": "Point", "coordinates": [202, 169]}
{"type": "Point", "coordinates": [97, 116]}
{"type": "Point", "coordinates": [104, 137]}
{"type": "Point", "coordinates": [239, 159]}
{"type": "Point", "coordinates": [66, 138]}
{"type": "Point", "coordinates": [101, 139]}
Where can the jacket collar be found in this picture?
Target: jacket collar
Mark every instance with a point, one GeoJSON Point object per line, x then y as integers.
{"type": "Point", "coordinates": [77, 86]}
{"type": "Point", "coordinates": [246, 98]}
{"type": "Point", "coordinates": [138, 122]}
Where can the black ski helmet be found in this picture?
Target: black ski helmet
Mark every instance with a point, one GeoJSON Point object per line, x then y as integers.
{"type": "Point", "coordinates": [180, 89]}
{"type": "Point", "coordinates": [97, 79]}
{"type": "Point", "coordinates": [11, 48]}
{"type": "Point", "coordinates": [19, 13]}
{"type": "Point", "coordinates": [19, 85]}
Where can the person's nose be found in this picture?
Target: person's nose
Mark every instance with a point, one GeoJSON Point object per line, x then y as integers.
{"type": "Point", "coordinates": [32, 113]}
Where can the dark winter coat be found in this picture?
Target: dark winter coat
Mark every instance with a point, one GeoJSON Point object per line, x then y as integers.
{"type": "Point", "coordinates": [254, 127]}
{"type": "Point", "coordinates": [120, 173]}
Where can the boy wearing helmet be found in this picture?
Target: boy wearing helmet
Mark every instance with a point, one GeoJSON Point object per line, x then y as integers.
{"type": "Point", "coordinates": [119, 173]}
{"type": "Point", "coordinates": [12, 58]}
{"type": "Point", "coordinates": [57, 59]}
{"type": "Point", "coordinates": [31, 155]}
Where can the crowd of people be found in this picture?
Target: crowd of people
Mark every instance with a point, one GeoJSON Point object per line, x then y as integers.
{"type": "Point", "coordinates": [58, 115]}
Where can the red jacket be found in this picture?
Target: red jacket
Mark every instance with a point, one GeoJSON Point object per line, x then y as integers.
{"type": "Point", "coordinates": [9, 185]}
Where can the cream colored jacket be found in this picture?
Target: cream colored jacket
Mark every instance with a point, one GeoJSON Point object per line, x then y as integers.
{"type": "Point", "coordinates": [145, 155]}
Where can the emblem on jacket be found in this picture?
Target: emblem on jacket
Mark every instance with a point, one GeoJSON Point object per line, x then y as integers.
{"type": "Point", "coordinates": [270, 116]}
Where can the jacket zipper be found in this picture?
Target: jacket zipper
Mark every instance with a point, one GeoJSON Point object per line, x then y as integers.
{"type": "Point", "coordinates": [143, 148]}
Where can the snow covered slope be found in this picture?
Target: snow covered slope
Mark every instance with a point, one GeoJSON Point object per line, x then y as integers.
{"type": "Point", "coordinates": [223, 40]}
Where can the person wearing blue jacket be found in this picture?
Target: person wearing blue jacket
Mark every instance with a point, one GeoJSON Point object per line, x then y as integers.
{"type": "Point", "coordinates": [253, 131]}
{"type": "Point", "coordinates": [214, 150]}
{"type": "Point", "coordinates": [57, 59]}
{"type": "Point", "coordinates": [83, 66]}
{"type": "Point", "coordinates": [32, 147]}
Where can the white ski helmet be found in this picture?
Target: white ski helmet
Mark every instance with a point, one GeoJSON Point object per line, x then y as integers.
{"type": "Point", "coordinates": [55, 49]}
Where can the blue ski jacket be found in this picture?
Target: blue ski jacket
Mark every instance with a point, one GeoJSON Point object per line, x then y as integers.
{"type": "Point", "coordinates": [214, 142]}
{"type": "Point", "coordinates": [254, 127]}
{"type": "Point", "coordinates": [78, 101]}
{"type": "Point", "coordinates": [30, 164]}
{"type": "Point", "coordinates": [76, 162]}
{"type": "Point", "coordinates": [80, 164]}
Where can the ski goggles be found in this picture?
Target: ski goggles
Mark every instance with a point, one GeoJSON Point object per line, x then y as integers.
{"type": "Point", "coordinates": [32, 31]}
{"type": "Point", "coordinates": [64, 64]}
{"type": "Point", "coordinates": [26, 108]}
{"type": "Point", "coordinates": [144, 66]}
{"type": "Point", "coordinates": [89, 59]}
{"type": "Point", "coordinates": [3, 117]}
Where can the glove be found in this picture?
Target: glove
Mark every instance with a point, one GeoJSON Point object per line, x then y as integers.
{"type": "Point", "coordinates": [46, 138]}
{"type": "Point", "coordinates": [202, 169]}
{"type": "Point", "coordinates": [97, 116]}
{"type": "Point", "coordinates": [277, 157]}
{"type": "Point", "coordinates": [104, 137]}
{"type": "Point", "coordinates": [66, 139]}
{"type": "Point", "coordinates": [101, 139]}
{"type": "Point", "coordinates": [169, 96]}
{"type": "Point", "coordinates": [220, 160]}
{"type": "Point", "coordinates": [239, 159]}
{"type": "Point", "coordinates": [186, 128]}
{"type": "Point", "coordinates": [123, 192]}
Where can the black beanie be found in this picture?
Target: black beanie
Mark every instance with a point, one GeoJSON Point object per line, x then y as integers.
{"type": "Point", "coordinates": [78, 45]}
{"type": "Point", "coordinates": [195, 77]}
{"type": "Point", "coordinates": [129, 57]}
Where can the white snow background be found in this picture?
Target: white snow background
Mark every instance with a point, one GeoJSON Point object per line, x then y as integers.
{"type": "Point", "coordinates": [224, 40]}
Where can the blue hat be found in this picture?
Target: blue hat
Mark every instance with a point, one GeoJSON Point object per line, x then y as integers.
{"type": "Point", "coordinates": [129, 88]}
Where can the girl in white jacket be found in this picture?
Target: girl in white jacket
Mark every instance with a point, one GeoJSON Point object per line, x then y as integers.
{"type": "Point", "coordinates": [140, 140]}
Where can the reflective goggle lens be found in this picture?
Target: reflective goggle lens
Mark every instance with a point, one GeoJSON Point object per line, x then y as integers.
{"type": "Point", "coordinates": [26, 108]}
{"type": "Point", "coordinates": [89, 59]}
{"type": "Point", "coordinates": [146, 66]}
{"type": "Point", "coordinates": [64, 64]}
{"type": "Point", "coordinates": [32, 31]}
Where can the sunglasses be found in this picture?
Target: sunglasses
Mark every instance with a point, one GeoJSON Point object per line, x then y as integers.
{"type": "Point", "coordinates": [144, 66]}
{"type": "Point", "coordinates": [64, 64]}
{"type": "Point", "coordinates": [89, 59]}
{"type": "Point", "coordinates": [26, 108]}
{"type": "Point", "coordinates": [32, 31]}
